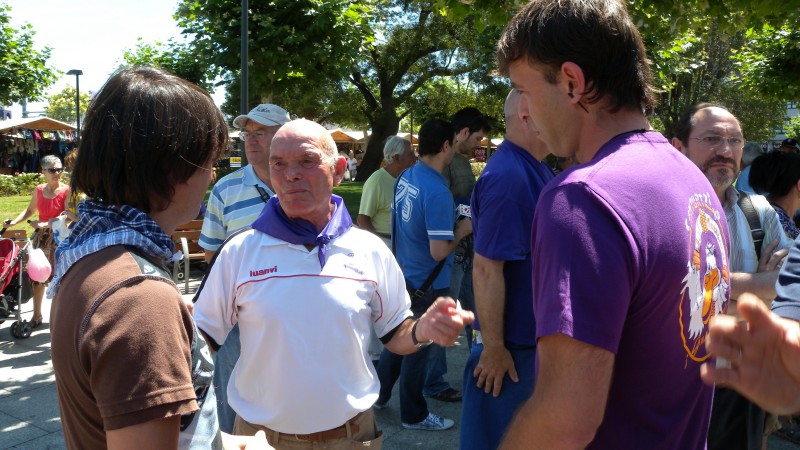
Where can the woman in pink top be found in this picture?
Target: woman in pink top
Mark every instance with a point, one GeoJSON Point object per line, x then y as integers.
{"type": "Point", "coordinates": [49, 200]}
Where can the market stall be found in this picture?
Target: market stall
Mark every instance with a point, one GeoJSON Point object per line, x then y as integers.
{"type": "Point", "coordinates": [24, 141]}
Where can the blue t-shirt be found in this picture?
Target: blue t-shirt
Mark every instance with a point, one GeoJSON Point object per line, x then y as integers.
{"type": "Point", "coordinates": [630, 255]}
{"type": "Point", "coordinates": [503, 203]}
{"type": "Point", "coordinates": [425, 212]}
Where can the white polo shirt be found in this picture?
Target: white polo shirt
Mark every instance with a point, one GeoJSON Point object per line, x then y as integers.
{"type": "Point", "coordinates": [304, 365]}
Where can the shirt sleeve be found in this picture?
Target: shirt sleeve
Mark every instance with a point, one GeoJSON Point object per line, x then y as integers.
{"type": "Point", "coordinates": [392, 305]}
{"type": "Point", "coordinates": [138, 346]}
{"type": "Point", "coordinates": [787, 303]}
{"type": "Point", "coordinates": [215, 310]}
{"type": "Point", "coordinates": [583, 267]}
{"type": "Point", "coordinates": [501, 224]}
{"type": "Point", "coordinates": [440, 216]}
{"type": "Point", "coordinates": [213, 233]}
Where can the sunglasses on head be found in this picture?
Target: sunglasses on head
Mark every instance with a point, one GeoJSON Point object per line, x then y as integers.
{"type": "Point", "coordinates": [54, 170]}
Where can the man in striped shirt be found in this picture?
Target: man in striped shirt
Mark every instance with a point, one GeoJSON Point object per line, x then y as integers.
{"type": "Point", "coordinates": [238, 198]}
{"type": "Point", "coordinates": [235, 202]}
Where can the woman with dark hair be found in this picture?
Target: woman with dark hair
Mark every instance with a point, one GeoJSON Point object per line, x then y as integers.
{"type": "Point", "coordinates": [48, 200]}
{"type": "Point", "coordinates": [776, 175]}
{"type": "Point", "coordinates": [131, 369]}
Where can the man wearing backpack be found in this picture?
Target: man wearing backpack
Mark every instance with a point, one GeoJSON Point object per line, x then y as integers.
{"type": "Point", "coordinates": [711, 137]}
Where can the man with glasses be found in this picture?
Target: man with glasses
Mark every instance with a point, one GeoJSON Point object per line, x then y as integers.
{"type": "Point", "coordinates": [711, 137]}
{"type": "Point", "coordinates": [235, 202]}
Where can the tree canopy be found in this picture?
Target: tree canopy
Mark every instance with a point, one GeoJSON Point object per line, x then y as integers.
{"type": "Point", "coordinates": [62, 105]}
{"type": "Point", "coordinates": [178, 58]}
{"type": "Point", "coordinates": [376, 63]}
{"type": "Point", "coordinates": [295, 45]}
{"type": "Point", "coordinates": [25, 74]}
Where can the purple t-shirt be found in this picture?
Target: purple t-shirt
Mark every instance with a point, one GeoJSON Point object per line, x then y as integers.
{"type": "Point", "coordinates": [630, 256]}
{"type": "Point", "coordinates": [503, 203]}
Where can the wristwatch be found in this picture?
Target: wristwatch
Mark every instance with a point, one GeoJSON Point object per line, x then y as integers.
{"type": "Point", "coordinates": [417, 343]}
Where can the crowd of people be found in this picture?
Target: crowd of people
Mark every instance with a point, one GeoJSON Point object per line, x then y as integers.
{"type": "Point", "coordinates": [640, 299]}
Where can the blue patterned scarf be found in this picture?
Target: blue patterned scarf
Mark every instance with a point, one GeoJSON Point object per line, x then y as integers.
{"type": "Point", "coordinates": [102, 226]}
{"type": "Point", "coordinates": [274, 222]}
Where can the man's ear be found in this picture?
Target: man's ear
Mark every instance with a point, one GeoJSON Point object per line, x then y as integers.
{"type": "Point", "coordinates": [573, 81]}
{"type": "Point", "coordinates": [338, 170]}
{"type": "Point", "coordinates": [679, 145]}
{"type": "Point", "coordinates": [462, 135]}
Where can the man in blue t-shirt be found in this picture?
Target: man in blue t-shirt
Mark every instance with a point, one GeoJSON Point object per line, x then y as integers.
{"type": "Point", "coordinates": [423, 215]}
{"type": "Point", "coordinates": [499, 373]}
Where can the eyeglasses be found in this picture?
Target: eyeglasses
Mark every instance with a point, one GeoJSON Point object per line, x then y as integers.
{"type": "Point", "coordinates": [716, 141]}
{"type": "Point", "coordinates": [54, 170]}
{"type": "Point", "coordinates": [243, 135]}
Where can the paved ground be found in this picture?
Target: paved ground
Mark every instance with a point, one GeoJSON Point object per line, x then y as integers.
{"type": "Point", "coordinates": [29, 416]}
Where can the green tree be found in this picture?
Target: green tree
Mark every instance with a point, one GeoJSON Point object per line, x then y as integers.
{"type": "Point", "coordinates": [24, 73]}
{"type": "Point", "coordinates": [375, 63]}
{"type": "Point", "coordinates": [704, 66]}
{"type": "Point", "coordinates": [294, 45]}
{"type": "Point", "coordinates": [178, 58]}
{"type": "Point", "coordinates": [420, 45]}
{"type": "Point", "coordinates": [62, 105]}
{"type": "Point", "coordinates": [792, 127]}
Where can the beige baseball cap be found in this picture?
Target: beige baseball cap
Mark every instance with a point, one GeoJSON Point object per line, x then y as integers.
{"type": "Point", "coordinates": [265, 114]}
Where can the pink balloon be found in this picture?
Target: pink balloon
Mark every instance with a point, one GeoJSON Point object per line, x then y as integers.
{"type": "Point", "coordinates": [38, 266]}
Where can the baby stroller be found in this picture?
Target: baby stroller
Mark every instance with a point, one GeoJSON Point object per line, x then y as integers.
{"type": "Point", "coordinates": [15, 285]}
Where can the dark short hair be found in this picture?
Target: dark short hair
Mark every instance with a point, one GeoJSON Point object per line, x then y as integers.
{"type": "Point", "coordinates": [597, 35]}
{"type": "Point", "coordinates": [775, 174]}
{"type": "Point", "coordinates": [146, 131]}
{"type": "Point", "coordinates": [470, 118]}
{"type": "Point", "coordinates": [432, 136]}
{"type": "Point", "coordinates": [685, 125]}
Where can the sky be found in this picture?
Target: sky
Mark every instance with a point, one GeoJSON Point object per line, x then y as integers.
{"type": "Point", "coordinates": [92, 35]}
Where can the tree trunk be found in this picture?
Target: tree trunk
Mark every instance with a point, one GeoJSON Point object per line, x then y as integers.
{"type": "Point", "coordinates": [385, 125]}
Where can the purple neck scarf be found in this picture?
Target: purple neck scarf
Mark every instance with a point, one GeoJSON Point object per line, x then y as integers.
{"type": "Point", "coordinates": [274, 222]}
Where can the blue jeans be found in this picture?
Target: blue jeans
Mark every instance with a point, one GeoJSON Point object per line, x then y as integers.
{"type": "Point", "coordinates": [225, 360]}
{"type": "Point", "coordinates": [461, 289]}
{"type": "Point", "coordinates": [435, 369]}
{"type": "Point", "coordinates": [409, 369]}
{"type": "Point", "coordinates": [484, 418]}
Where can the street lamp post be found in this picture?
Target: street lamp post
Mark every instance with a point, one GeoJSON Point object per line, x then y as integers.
{"type": "Point", "coordinates": [77, 74]}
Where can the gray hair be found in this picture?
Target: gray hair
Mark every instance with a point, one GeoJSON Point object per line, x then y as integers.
{"type": "Point", "coordinates": [751, 152]}
{"type": "Point", "coordinates": [49, 161]}
{"type": "Point", "coordinates": [395, 145]}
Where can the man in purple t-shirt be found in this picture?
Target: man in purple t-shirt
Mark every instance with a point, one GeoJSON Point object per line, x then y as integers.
{"type": "Point", "coordinates": [629, 246]}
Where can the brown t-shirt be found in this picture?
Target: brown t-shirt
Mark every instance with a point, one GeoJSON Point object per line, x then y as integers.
{"type": "Point", "coordinates": [120, 348]}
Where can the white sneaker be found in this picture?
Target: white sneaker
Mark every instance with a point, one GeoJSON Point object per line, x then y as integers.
{"type": "Point", "coordinates": [431, 423]}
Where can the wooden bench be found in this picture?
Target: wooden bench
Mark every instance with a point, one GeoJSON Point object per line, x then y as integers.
{"type": "Point", "coordinates": [186, 238]}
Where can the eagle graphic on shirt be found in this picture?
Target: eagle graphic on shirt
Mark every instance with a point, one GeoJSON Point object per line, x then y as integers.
{"type": "Point", "coordinates": [706, 286]}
